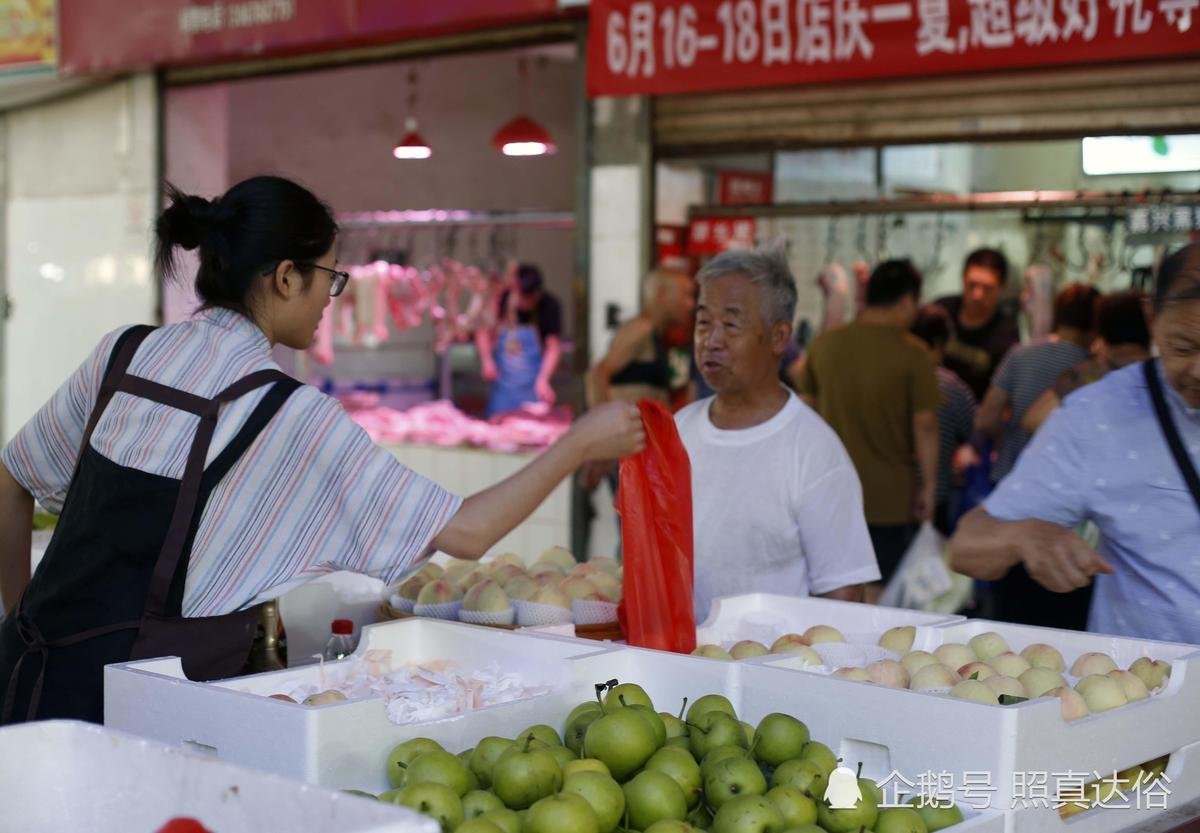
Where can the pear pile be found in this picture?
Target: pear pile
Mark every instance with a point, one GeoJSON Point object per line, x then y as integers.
{"type": "Point", "coordinates": [619, 765]}
{"type": "Point", "coordinates": [555, 578]}
{"type": "Point", "coordinates": [984, 669]}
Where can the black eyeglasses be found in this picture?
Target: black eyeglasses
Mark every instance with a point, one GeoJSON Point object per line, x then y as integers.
{"type": "Point", "coordinates": [339, 280]}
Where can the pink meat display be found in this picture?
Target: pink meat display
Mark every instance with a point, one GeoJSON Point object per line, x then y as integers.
{"type": "Point", "coordinates": [441, 424]}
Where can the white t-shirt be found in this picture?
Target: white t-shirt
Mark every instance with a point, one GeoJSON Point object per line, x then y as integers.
{"type": "Point", "coordinates": [776, 508]}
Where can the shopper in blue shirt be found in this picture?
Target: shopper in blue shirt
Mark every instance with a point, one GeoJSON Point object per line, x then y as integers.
{"type": "Point", "coordinates": [1106, 456]}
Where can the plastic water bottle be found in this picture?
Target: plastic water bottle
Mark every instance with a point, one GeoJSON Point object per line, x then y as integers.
{"type": "Point", "coordinates": [342, 642]}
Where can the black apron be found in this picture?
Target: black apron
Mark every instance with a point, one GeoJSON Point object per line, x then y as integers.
{"type": "Point", "coordinates": [110, 586]}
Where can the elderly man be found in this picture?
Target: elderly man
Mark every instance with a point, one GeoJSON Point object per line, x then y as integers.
{"type": "Point", "coordinates": [776, 502]}
{"type": "Point", "coordinates": [1123, 453]}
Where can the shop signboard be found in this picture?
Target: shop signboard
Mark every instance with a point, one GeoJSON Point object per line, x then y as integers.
{"type": "Point", "coordinates": [744, 188]}
{"type": "Point", "coordinates": [26, 37]}
{"type": "Point", "coordinates": [713, 235]}
{"type": "Point", "coordinates": [106, 35]}
{"type": "Point", "coordinates": [640, 47]}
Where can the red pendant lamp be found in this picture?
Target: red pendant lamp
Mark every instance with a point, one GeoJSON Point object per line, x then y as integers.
{"type": "Point", "coordinates": [523, 136]}
{"type": "Point", "coordinates": [412, 144]}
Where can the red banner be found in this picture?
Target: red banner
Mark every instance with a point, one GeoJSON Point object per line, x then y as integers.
{"type": "Point", "coordinates": [744, 188]}
{"type": "Point", "coordinates": [26, 36]}
{"type": "Point", "coordinates": [106, 35]}
{"type": "Point", "coordinates": [639, 47]}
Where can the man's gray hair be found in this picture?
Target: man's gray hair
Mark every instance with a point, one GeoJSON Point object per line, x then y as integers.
{"type": "Point", "coordinates": [768, 269]}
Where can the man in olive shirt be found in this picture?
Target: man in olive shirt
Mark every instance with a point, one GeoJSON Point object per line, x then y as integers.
{"type": "Point", "coordinates": [876, 386]}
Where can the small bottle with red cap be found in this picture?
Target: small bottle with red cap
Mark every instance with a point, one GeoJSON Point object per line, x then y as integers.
{"type": "Point", "coordinates": [342, 641]}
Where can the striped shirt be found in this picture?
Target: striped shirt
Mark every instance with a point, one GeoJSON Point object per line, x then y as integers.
{"type": "Point", "coordinates": [311, 495]}
{"type": "Point", "coordinates": [956, 422]}
{"type": "Point", "coordinates": [1025, 374]}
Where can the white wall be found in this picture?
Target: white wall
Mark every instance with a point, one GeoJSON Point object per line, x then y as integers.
{"type": "Point", "coordinates": [81, 197]}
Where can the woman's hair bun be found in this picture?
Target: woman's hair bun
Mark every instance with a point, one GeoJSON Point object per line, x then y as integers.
{"type": "Point", "coordinates": [186, 219]}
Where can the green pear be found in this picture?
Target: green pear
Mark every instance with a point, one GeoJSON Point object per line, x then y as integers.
{"type": "Point", "coordinates": [542, 733]}
{"type": "Point", "coordinates": [700, 818]}
{"type": "Point", "coordinates": [479, 803]}
{"type": "Point", "coordinates": [627, 694]}
{"type": "Point", "coordinates": [391, 796]}
{"type": "Point", "coordinates": [719, 754]}
{"type": "Point", "coordinates": [821, 755]}
{"type": "Point", "coordinates": [652, 719]}
{"type": "Point", "coordinates": [523, 775]}
{"type": "Point", "coordinates": [850, 820]}
{"type": "Point", "coordinates": [748, 731]}
{"type": "Point", "coordinates": [437, 801]}
{"type": "Point", "coordinates": [652, 796]}
{"type": "Point", "coordinates": [681, 767]}
{"type": "Point", "coordinates": [936, 818]}
{"type": "Point", "coordinates": [507, 820]}
{"type": "Point", "coordinates": [708, 703]}
{"type": "Point", "coordinates": [404, 754]}
{"type": "Point", "coordinates": [670, 826]}
{"type": "Point", "coordinates": [731, 778]}
{"type": "Point", "coordinates": [779, 738]}
{"type": "Point", "coordinates": [605, 796]}
{"type": "Point", "coordinates": [900, 820]}
{"type": "Point", "coordinates": [622, 740]}
{"type": "Point", "coordinates": [584, 765]}
{"type": "Point", "coordinates": [439, 767]}
{"type": "Point", "coordinates": [562, 813]}
{"type": "Point", "coordinates": [576, 729]}
{"type": "Point", "coordinates": [795, 807]}
{"type": "Point", "coordinates": [477, 825]}
{"type": "Point", "coordinates": [802, 774]}
{"type": "Point", "coordinates": [806, 828]}
{"type": "Point", "coordinates": [563, 755]}
{"type": "Point", "coordinates": [869, 787]}
{"type": "Point", "coordinates": [675, 727]}
{"type": "Point", "coordinates": [484, 758]}
{"type": "Point", "coordinates": [748, 814]}
{"type": "Point", "coordinates": [714, 729]}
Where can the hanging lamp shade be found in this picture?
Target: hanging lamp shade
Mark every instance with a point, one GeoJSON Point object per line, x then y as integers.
{"type": "Point", "coordinates": [523, 137]}
{"type": "Point", "coordinates": [412, 144]}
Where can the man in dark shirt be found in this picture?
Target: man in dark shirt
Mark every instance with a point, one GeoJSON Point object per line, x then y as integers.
{"type": "Point", "coordinates": [983, 332]}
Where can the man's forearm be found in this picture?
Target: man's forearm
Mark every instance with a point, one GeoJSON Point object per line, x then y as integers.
{"type": "Point", "coordinates": [16, 519]}
{"type": "Point", "coordinates": [925, 436]}
{"type": "Point", "coordinates": [982, 546]}
{"type": "Point", "coordinates": [849, 593]}
{"type": "Point", "coordinates": [550, 359]}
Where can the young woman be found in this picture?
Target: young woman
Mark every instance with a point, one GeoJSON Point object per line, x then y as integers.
{"type": "Point", "coordinates": [195, 480]}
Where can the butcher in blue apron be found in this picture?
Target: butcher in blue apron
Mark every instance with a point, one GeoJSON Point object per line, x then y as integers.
{"type": "Point", "coordinates": [520, 357]}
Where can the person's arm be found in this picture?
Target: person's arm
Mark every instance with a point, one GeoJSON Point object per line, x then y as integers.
{"type": "Point", "coordinates": [1040, 411]}
{"type": "Point", "coordinates": [609, 432]}
{"type": "Point", "coordinates": [551, 354]}
{"type": "Point", "coordinates": [485, 343]}
{"type": "Point", "coordinates": [925, 441]}
{"type": "Point", "coordinates": [16, 519]}
{"type": "Point", "coordinates": [849, 593]}
{"type": "Point", "coordinates": [990, 417]}
{"type": "Point", "coordinates": [1054, 556]}
{"type": "Point", "coordinates": [626, 342]}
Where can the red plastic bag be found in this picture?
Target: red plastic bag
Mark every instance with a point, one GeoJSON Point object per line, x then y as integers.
{"type": "Point", "coordinates": [654, 501]}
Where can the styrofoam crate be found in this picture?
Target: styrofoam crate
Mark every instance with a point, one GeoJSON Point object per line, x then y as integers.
{"type": "Point", "coordinates": [892, 730]}
{"type": "Point", "coordinates": [341, 745]}
{"type": "Point", "coordinates": [764, 617]}
{"type": "Point", "coordinates": [66, 775]}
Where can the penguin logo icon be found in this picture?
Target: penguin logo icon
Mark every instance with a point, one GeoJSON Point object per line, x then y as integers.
{"type": "Point", "coordinates": [843, 792]}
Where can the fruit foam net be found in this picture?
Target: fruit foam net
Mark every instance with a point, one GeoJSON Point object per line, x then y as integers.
{"type": "Point", "coordinates": [446, 610]}
{"type": "Point", "coordinates": [532, 614]}
{"type": "Point", "coordinates": [488, 617]}
{"type": "Point", "coordinates": [593, 612]}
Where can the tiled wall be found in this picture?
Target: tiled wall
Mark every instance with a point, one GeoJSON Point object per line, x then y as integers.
{"type": "Point", "coordinates": [465, 471]}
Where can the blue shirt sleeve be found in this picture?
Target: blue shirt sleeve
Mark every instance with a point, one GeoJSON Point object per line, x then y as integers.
{"type": "Point", "coordinates": [1049, 481]}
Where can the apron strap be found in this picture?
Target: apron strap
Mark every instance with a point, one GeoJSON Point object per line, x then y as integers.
{"type": "Point", "coordinates": [1170, 431]}
{"type": "Point", "coordinates": [175, 543]}
{"type": "Point", "coordinates": [118, 362]}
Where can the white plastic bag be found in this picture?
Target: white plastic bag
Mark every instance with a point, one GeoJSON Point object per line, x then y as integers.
{"type": "Point", "coordinates": [922, 576]}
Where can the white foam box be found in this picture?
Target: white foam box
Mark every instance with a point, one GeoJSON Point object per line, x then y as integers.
{"type": "Point", "coordinates": [764, 617]}
{"type": "Point", "coordinates": [340, 745]}
{"type": "Point", "coordinates": [66, 775]}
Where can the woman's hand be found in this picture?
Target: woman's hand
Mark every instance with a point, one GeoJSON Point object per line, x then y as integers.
{"type": "Point", "coordinates": [609, 432]}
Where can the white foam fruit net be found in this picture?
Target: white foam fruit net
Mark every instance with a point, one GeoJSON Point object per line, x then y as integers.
{"type": "Point", "coordinates": [593, 612]}
{"type": "Point", "coordinates": [401, 604]}
{"type": "Point", "coordinates": [420, 692]}
{"type": "Point", "coordinates": [446, 610]}
{"type": "Point", "coordinates": [488, 617]}
{"type": "Point", "coordinates": [532, 614]}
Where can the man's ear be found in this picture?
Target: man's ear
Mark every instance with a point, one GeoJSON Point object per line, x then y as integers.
{"type": "Point", "coordinates": [781, 334]}
{"type": "Point", "coordinates": [285, 280]}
